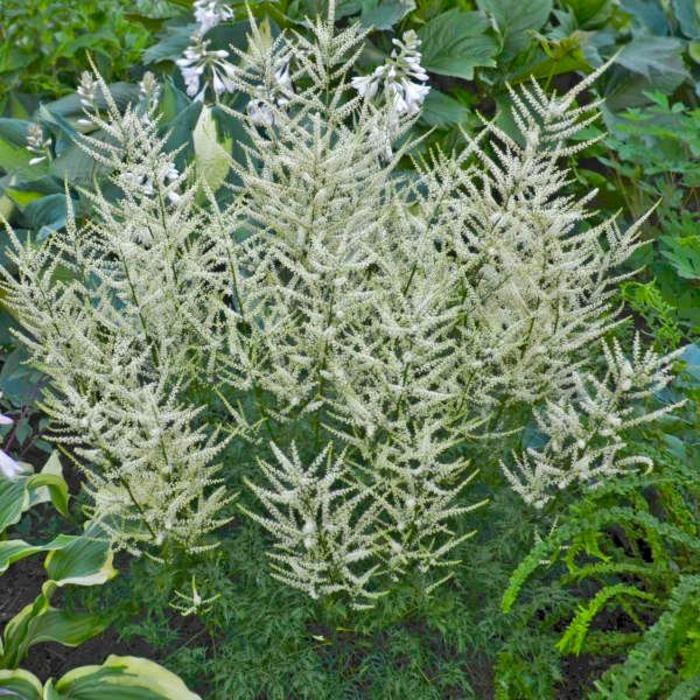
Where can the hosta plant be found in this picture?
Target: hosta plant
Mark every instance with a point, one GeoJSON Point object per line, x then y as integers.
{"type": "Point", "coordinates": [117, 678]}
{"type": "Point", "coordinates": [372, 338]}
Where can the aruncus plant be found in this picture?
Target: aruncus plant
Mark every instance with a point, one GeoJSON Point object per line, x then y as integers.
{"type": "Point", "coordinates": [392, 325]}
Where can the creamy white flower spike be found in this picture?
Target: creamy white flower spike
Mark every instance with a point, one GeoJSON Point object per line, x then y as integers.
{"type": "Point", "coordinates": [396, 325]}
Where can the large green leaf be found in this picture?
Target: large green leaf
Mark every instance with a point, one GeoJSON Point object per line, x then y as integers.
{"type": "Point", "coordinates": [683, 254]}
{"type": "Point", "coordinates": [120, 678]}
{"type": "Point", "coordinates": [39, 622]}
{"type": "Point", "coordinates": [440, 109]}
{"type": "Point", "coordinates": [20, 685]}
{"type": "Point", "coordinates": [456, 42]}
{"type": "Point", "coordinates": [14, 499]}
{"type": "Point", "coordinates": [649, 55]}
{"type": "Point", "coordinates": [384, 14]}
{"type": "Point", "coordinates": [12, 551]}
{"type": "Point", "coordinates": [171, 45]}
{"type": "Point", "coordinates": [688, 16]}
{"type": "Point", "coordinates": [84, 561]}
{"type": "Point", "coordinates": [515, 20]}
{"type": "Point", "coordinates": [212, 159]}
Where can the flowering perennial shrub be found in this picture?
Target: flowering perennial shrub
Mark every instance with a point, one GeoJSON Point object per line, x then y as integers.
{"type": "Point", "coordinates": [393, 325]}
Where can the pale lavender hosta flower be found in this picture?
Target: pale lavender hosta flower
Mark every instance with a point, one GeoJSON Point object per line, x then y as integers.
{"type": "Point", "coordinates": [197, 60]}
{"type": "Point", "coordinates": [402, 78]}
{"type": "Point", "coordinates": [37, 144]}
{"type": "Point", "coordinates": [210, 13]}
{"type": "Point", "coordinates": [8, 467]}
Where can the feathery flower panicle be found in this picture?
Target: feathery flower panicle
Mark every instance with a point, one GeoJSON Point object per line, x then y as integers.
{"type": "Point", "coordinates": [119, 337]}
{"type": "Point", "coordinates": [586, 425]}
{"type": "Point", "coordinates": [393, 326]}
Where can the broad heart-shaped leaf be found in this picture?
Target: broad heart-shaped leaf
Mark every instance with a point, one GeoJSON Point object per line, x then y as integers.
{"type": "Point", "coordinates": [515, 20]}
{"type": "Point", "coordinates": [69, 106]}
{"type": "Point", "coordinates": [456, 42]}
{"type": "Point", "coordinates": [688, 16]}
{"type": "Point", "coordinates": [684, 254]}
{"type": "Point", "coordinates": [180, 131]}
{"type": "Point", "coordinates": [440, 109]}
{"type": "Point", "coordinates": [384, 14]}
{"type": "Point", "coordinates": [171, 45]}
{"type": "Point", "coordinates": [212, 159]}
{"type": "Point", "coordinates": [120, 678]}
{"type": "Point", "coordinates": [20, 685]}
{"type": "Point", "coordinates": [590, 13]}
{"type": "Point", "coordinates": [84, 561]}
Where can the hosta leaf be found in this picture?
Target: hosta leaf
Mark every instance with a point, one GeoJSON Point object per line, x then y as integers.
{"type": "Point", "coordinates": [68, 628]}
{"type": "Point", "coordinates": [70, 107]}
{"type": "Point", "coordinates": [688, 16]}
{"type": "Point", "coordinates": [212, 159]}
{"type": "Point", "coordinates": [171, 44]}
{"type": "Point", "coordinates": [384, 14]}
{"type": "Point", "coordinates": [49, 485]}
{"type": "Point", "coordinates": [12, 551]}
{"type": "Point", "coordinates": [180, 133]}
{"type": "Point", "coordinates": [14, 499]}
{"type": "Point", "coordinates": [85, 561]}
{"type": "Point", "coordinates": [20, 685]}
{"type": "Point", "coordinates": [440, 109]}
{"type": "Point", "coordinates": [456, 42]}
{"type": "Point", "coordinates": [120, 678]}
{"type": "Point", "coordinates": [515, 20]}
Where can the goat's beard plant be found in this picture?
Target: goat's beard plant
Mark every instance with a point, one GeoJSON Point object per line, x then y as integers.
{"type": "Point", "coordinates": [395, 324]}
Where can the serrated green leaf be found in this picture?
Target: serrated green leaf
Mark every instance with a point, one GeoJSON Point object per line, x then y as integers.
{"type": "Point", "coordinates": [384, 14]}
{"type": "Point", "coordinates": [456, 42]}
{"type": "Point", "coordinates": [515, 20]}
